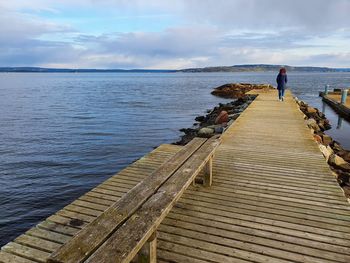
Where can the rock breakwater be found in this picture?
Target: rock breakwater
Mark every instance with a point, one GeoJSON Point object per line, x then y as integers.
{"type": "Point", "coordinates": [336, 156]}
{"type": "Point", "coordinates": [237, 90]}
{"type": "Point", "coordinates": [216, 120]}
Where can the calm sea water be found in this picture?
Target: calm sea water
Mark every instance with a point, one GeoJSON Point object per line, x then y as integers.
{"type": "Point", "coordinates": [62, 134]}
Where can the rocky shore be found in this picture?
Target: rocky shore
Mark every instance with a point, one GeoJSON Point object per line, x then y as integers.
{"type": "Point", "coordinates": [336, 156]}
{"type": "Point", "coordinates": [220, 117]}
{"type": "Point", "coordinates": [216, 120]}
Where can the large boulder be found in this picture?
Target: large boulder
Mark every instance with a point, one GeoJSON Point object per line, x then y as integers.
{"type": "Point", "coordinates": [311, 110]}
{"type": "Point", "coordinates": [206, 132]}
{"type": "Point", "coordinates": [345, 155]}
{"type": "Point", "coordinates": [342, 177]}
{"type": "Point", "coordinates": [312, 124]}
{"type": "Point", "coordinates": [218, 128]}
{"type": "Point", "coordinates": [199, 118]}
{"type": "Point", "coordinates": [322, 128]}
{"type": "Point", "coordinates": [317, 138]}
{"type": "Point", "coordinates": [338, 162]}
{"type": "Point", "coordinates": [222, 117]}
{"type": "Point", "coordinates": [326, 139]}
{"type": "Point", "coordinates": [326, 151]}
{"type": "Point", "coordinates": [326, 124]}
{"type": "Point", "coordinates": [233, 116]}
{"type": "Point", "coordinates": [336, 146]}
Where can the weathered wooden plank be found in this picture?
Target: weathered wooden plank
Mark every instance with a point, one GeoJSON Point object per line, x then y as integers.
{"type": "Point", "coordinates": [11, 258]}
{"type": "Point", "coordinates": [109, 192]}
{"type": "Point", "coordinates": [128, 185]}
{"type": "Point", "coordinates": [326, 198]}
{"type": "Point", "coordinates": [273, 153]}
{"type": "Point", "coordinates": [263, 218]}
{"type": "Point", "coordinates": [260, 254]}
{"type": "Point", "coordinates": [103, 196]}
{"type": "Point", "coordinates": [26, 252]}
{"type": "Point", "coordinates": [124, 179]}
{"type": "Point", "coordinates": [250, 242]}
{"type": "Point", "coordinates": [331, 193]}
{"type": "Point", "coordinates": [171, 257]}
{"type": "Point", "coordinates": [83, 210]}
{"type": "Point", "coordinates": [71, 216]}
{"type": "Point", "coordinates": [67, 221]}
{"type": "Point", "coordinates": [142, 168]}
{"type": "Point", "coordinates": [95, 200]}
{"type": "Point", "coordinates": [270, 208]}
{"type": "Point", "coordinates": [252, 232]}
{"type": "Point", "coordinates": [58, 228]}
{"type": "Point", "coordinates": [113, 188]}
{"type": "Point", "coordinates": [37, 243]}
{"type": "Point", "coordinates": [323, 180]}
{"type": "Point", "coordinates": [287, 164]}
{"type": "Point", "coordinates": [96, 233]}
{"type": "Point", "coordinates": [196, 252]}
{"type": "Point", "coordinates": [48, 235]}
{"type": "Point", "coordinates": [257, 224]}
{"type": "Point", "coordinates": [342, 210]}
{"type": "Point", "coordinates": [126, 241]}
{"type": "Point", "coordinates": [91, 204]}
{"type": "Point", "coordinates": [138, 172]}
{"type": "Point", "coordinates": [247, 196]}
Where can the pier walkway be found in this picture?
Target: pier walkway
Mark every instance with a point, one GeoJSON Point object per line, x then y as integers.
{"type": "Point", "coordinates": [273, 199]}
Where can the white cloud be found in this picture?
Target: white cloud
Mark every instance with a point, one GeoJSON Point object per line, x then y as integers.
{"type": "Point", "coordinates": [204, 33]}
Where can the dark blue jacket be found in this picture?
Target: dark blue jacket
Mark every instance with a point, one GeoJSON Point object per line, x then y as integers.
{"type": "Point", "coordinates": [281, 81]}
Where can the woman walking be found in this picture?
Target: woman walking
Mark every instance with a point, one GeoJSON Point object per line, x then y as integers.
{"type": "Point", "coordinates": [281, 83]}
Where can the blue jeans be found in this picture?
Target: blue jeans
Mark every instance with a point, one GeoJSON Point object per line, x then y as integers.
{"type": "Point", "coordinates": [280, 93]}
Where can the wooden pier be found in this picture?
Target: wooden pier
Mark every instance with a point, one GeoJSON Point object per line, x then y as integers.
{"type": "Point", "coordinates": [333, 99]}
{"type": "Point", "coordinates": [273, 199]}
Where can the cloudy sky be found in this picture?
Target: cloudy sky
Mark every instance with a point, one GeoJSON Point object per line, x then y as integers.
{"type": "Point", "coordinates": [175, 34]}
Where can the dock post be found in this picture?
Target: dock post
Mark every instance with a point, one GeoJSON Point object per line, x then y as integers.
{"type": "Point", "coordinates": [326, 88]}
{"type": "Point", "coordinates": [208, 173]}
{"type": "Point", "coordinates": [148, 253]}
{"type": "Point", "coordinates": [344, 95]}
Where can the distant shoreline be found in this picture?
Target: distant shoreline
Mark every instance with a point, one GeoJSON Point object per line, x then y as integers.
{"type": "Point", "coordinates": [235, 68]}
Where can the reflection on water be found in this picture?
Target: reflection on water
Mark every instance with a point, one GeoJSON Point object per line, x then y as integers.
{"type": "Point", "coordinates": [340, 127]}
{"type": "Point", "coordinates": [323, 107]}
{"type": "Point", "coordinates": [340, 121]}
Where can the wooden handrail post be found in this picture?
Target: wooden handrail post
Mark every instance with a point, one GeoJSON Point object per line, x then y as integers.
{"type": "Point", "coordinates": [148, 253]}
{"type": "Point", "coordinates": [208, 173]}
{"type": "Point", "coordinates": [326, 89]}
{"type": "Point", "coordinates": [344, 96]}
{"type": "Point", "coordinates": [152, 243]}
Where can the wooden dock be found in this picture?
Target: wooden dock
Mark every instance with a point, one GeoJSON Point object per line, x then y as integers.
{"type": "Point", "coordinates": [273, 199]}
{"type": "Point", "coordinates": [337, 98]}
{"type": "Point", "coordinates": [333, 99]}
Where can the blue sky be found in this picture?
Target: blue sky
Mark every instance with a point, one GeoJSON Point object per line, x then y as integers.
{"type": "Point", "coordinates": [173, 34]}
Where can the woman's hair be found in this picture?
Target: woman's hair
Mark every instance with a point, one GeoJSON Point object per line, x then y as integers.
{"type": "Point", "coordinates": [283, 71]}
